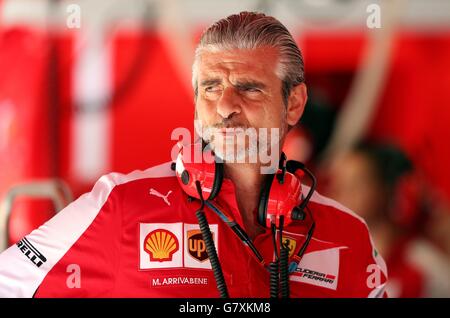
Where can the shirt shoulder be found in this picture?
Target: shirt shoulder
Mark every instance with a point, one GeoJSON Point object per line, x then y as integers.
{"type": "Point", "coordinates": [33, 261]}
{"type": "Point", "coordinates": [335, 222]}
{"type": "Point", "coordinates": [154, 180]}
{"type": "Point", "coordinates": [151, 174]}
{"type": "Point", "coordinates": [360, 261]}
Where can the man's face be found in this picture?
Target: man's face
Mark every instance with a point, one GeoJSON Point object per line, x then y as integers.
{"type": "Point", "coordinates": [240, 89]}
{"type": "Point", "coordinates": [354, 183]}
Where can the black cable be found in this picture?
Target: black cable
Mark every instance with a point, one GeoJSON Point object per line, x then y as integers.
{"type": "Point", "coordinates": [297, 258]}
{"type": "Point", "coordinates": [274, 267]}
{"type": "Point", "coordinates": [311, 190]}
{"type": "Point", "coordinates": [210, 247]}
{"type": "Point", "coordinates": [284, 272]}
{"type": "Point", "coordinates": [280, 230]}
{"type": "Point", "coordinates": [309, 235]}
{"type": "Point", "coordinates": [274, 241]}
{"type": "Point", "coordinates": [292, 166]}
{"type": "Point", "coordinates": [284, 263]}
{"type": "Point", "coordinates": [237, 229]}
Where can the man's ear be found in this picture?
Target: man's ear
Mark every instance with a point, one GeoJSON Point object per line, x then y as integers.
{"type": "Point", "coordinates": [296, 103]}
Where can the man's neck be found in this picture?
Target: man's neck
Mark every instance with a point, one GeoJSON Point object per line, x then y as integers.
{"type": "Point", "coordinates": [248, 181]}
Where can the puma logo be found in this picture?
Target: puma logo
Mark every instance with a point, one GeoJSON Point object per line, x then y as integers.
{"type": "Point", "coordinates": [164, 197]}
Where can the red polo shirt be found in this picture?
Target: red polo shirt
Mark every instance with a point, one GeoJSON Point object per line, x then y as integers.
{"type": "Point", "coordinates": [136, 235]}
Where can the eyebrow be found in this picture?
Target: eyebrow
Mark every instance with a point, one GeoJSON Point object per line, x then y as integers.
{"type": "Point", "coordinates": [239, 84]}
{"type": "Point", "coordinates": [250, 84]}
{"type": "Point", "coordinates": [210, 81]}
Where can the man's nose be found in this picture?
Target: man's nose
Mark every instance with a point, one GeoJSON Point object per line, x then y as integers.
{"type": "Point", "coordinates": [228, 103]}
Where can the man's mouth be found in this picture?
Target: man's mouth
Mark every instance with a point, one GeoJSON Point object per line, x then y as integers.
{"type": "Point", "coordinates": [225, 133]}
{"type": "Point", "coordinates": [229, 130]}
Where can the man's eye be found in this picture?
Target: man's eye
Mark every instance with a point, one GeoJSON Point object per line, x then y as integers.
{"type": "Point", "coordinates": [251, 90]}
{"type": "Point", "coordinates": [211, 89]}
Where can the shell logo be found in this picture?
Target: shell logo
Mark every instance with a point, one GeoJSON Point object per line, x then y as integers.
{"type": "Point", "coordinates": [161, 244]}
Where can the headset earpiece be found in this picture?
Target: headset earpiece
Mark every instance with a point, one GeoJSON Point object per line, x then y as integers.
{"type": "Point", "coordinates": [280, 196]}
{"type": "Point", "coordinates": [195, 163]}
{"type": "Point", "coordinates": [264, 201]}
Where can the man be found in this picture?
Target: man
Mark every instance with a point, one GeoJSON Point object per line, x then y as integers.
{"type": "Point", "coordinates": [137, 235]}
{"type": "Point", "coordinates": [368, 179]}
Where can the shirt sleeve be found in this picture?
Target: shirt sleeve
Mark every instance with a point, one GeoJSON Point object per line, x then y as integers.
{"type": "Point", "coordinates": [368, 267]}
{"type": "Point", "coordinates": [62, 257]}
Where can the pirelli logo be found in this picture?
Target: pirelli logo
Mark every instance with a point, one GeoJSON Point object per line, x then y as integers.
{"type": "Point", "coordinates": [36, 257]}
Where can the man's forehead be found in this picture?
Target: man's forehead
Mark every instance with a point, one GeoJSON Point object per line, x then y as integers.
{"type": "Point", "coordinates": [259, 61]}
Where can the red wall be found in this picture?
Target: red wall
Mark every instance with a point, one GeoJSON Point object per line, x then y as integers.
{"type": "Point", "coordinates": [414, 109]}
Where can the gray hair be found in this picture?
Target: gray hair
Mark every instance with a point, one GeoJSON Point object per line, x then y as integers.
{"type": "Point", "coordinates": [251, 30]}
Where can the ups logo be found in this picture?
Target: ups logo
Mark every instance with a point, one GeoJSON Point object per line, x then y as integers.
{"type": "Point", "coordinates": [197, 246]}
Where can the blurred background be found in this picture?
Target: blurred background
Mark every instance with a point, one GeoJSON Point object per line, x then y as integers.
{"type": "Point", "coordinates": [90, 87]}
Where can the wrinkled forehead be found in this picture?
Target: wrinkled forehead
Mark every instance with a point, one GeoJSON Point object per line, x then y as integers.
{"type": "Point", "coordinates": [261, 63]}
